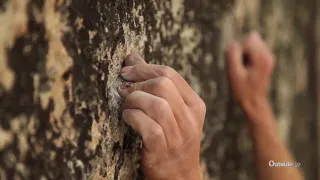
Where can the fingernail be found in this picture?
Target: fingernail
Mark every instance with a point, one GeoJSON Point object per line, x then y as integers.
{"type": "Point", "coordinates": [126, 69]}
{"type": "Point", "coordinates": [125, 85]}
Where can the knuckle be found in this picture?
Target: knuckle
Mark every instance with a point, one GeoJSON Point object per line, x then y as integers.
{"type": "Point", "coordinates": [202, 106]}
{"type": "Point", "coordinates": [135, 68]}
{"type": "Point", "coordinates": [161, 106]}
{"type": "Point", "coordinates": [198, 116]}
{"type": "Point", "coordinates": [157, 133]}
{"type": "Point", "coordinates": [199, 106]}
{"type": "Point", "coordinates": [163, 83]}
{"type": "Point", "coordinates": [167, 71]}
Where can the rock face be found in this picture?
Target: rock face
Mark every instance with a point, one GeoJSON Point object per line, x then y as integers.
{"type": "Point", "coordinates": [60, 111]}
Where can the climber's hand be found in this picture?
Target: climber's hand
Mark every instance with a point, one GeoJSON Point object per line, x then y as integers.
{"type": "Point", "coordinates": [169, 115]}
{"type": "Point", "coordinates": [250, 64]}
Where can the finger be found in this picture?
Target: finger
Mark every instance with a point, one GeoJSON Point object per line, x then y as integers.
{"type": "Point", "coordinates": [143, 72]}
{"type": "Point", "coordinates": [164, 88]}
{"type": "Point", "coordinates": [133, 59]}
{"type": "Point", "coordinates": [152, 134]}
{"type": "Point", "coordinates": [259, 54]}
{"type": "Point", "coordinates": [157, 109]}
{"type": "Point", "coordinates": [236, 68]}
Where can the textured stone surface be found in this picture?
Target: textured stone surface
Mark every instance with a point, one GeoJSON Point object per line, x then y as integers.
{"type": "Point", "coordinates": [59, 64]}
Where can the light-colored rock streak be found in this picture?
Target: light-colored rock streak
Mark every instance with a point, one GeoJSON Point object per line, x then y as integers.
{"type": "Point", "coordinates": [13, 24]}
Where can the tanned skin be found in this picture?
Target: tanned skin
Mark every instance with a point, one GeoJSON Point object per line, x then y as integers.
{"type": "Point", "coordinates": [249, 85]}
{"type": "Point", "coordinates": [169, 115]}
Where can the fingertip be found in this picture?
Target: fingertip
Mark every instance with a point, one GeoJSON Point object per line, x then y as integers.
{"type": "Point", "coordinates": [133, 59]}
{"type": "Point", "coordinates": [125, 115]}
{"type": "Point", "coordinates": [128, 116]}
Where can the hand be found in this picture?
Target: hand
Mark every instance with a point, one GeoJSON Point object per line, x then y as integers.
{"type": "Point", "coordinates": [250, 65]}
{"type": "Point", "coordinates": [249, 80]}
{"type": "Point", "coordinates": [169, 116]}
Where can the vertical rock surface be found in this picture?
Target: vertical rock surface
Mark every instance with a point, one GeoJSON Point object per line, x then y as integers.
{"type": "Point", "coordinates": [60, 115]}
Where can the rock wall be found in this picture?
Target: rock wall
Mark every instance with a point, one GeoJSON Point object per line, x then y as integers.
{"type": "Point", "coordinates": [60, 111]}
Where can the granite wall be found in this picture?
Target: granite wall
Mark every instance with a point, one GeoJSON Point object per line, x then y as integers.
{"type": "Point", "coordinates": [60, 115]}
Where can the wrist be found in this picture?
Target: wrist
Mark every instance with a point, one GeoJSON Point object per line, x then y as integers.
{"type": "Point", "coordinates": [259, 113]}
{"type": "Point", "coordinates": [186, 174]}
{"type": "Point", "coordinates": [195, 174]}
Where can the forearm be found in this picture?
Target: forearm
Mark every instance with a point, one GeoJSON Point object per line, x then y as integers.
{"type": "Point", "coordinates": [268, 146]}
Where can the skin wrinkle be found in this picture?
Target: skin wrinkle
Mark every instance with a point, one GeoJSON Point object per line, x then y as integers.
{"type": "Point", "coordinates": [249, 88]}
{"type": "Point", "coordinates": [194, 31]}
{"type": "Point", "coordinates": [166, 156]}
